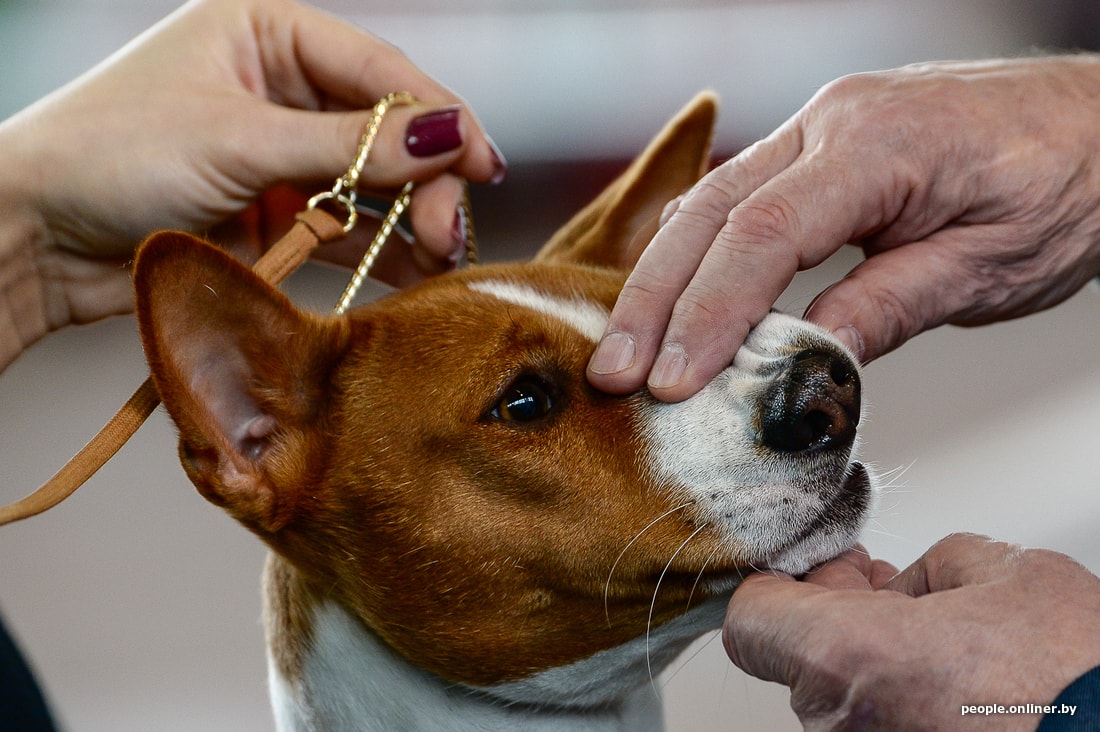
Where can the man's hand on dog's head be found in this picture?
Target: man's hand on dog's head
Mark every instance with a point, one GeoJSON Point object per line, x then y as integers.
{"type": "Point", "coordinates": [971, 201]}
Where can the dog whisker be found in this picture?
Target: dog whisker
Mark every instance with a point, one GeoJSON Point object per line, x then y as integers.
{"type": "Point", "coordinates": [891, 478]}
{"type": "Point", "coordinates": [611, 574]}
{"type": "Point", "coordinates": [685, 661]}
{"type": "Point", "coordinates": [892, 486]}
{"type": "Point", "coordinates": [698, 579]}
{"type": "Point", "coordinates": [653, 604]}
{"type": "Point", "coordinates": [884, 532]}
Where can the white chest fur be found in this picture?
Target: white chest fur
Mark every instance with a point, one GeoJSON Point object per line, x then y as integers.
{"type": "Point", "coordinates": [351, 681]}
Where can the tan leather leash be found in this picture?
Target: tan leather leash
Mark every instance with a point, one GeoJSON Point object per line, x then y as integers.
{"type": "Point", "coordinates": [312, 228]}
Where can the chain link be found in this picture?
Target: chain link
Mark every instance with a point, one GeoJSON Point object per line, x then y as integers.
{"type": "Point", "coordinates": [344, 193]}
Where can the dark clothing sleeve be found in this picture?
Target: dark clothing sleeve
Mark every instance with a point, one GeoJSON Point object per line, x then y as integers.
{"type": "Point", "coordinates": [22, 706]}
{"type": "Point", "coordinates": [1083, 695]}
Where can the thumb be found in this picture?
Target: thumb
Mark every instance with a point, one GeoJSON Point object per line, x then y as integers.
{"type": "Point", "coordinates": [957, 561]}
{"type": "Point", "coordinates": [896, 294]}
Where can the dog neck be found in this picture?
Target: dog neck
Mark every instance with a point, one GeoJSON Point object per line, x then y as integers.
{"type": "Point", "coordinates": [336, 674]}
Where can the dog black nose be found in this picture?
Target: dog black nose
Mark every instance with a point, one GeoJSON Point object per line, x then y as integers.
{"type": "Point", "coordinates": [814, 405]}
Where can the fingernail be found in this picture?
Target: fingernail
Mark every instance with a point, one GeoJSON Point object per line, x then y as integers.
{"type": "Point", "coordinates": [669, 209]}
{"type": "Point", "coordinates": [614, 354]}
{"type": "Point", "coordinates": [458, 236]}
{"type": "Point", "coordinates": [434, 133]}
{"type": "Point", "coordinates": [669, 367]}
{"type": "Point", "coordinates": [500, 165]}
{"type": "Point", "coordinates": [851, 338]}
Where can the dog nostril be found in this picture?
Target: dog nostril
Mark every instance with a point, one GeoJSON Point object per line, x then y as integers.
{"type": "Point", "coordinates": [841, 373]}
{"type": "Point", "coordinates": [813, 406]}
{"type": "Point", "coordinates": [798, 433]}
{"type": "Point", "coordinates": [817, 426]}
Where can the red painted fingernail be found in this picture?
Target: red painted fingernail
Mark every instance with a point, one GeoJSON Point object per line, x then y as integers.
{"type": "Point", "coordinates": [434, 133]}
{"type": "Point", "coordinates": [500, 166]}
{"type": "Point", "coordinates": [458, 236]}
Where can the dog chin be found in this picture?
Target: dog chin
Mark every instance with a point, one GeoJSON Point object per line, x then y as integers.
{"type": "Point", "coordinates": [838, 532]}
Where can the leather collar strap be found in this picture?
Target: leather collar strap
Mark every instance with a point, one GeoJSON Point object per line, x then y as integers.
{"type": "Point", "coordinates": [312, 228]}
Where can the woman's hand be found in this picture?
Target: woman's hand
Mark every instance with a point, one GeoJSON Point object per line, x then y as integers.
{"type": "Point", "coordinates": [199, 119]}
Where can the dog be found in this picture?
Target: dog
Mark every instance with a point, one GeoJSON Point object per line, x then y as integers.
{"type": "Point", "coordinates": [464, 534]}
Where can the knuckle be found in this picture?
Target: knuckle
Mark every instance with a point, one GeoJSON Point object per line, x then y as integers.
{"type": "Point", "coordinates": [845, 90]}
{"type": "Point", "coordinates": [706, 204]}
{"type": "Point", "coordinates": [960, 540]}
{"type": "Point", "coordinates": [760, 221]}
{"type": "Point", "coordinates": [645, 286]}
{"type": "Point", "coordinates": [867, 108]}
{"type": "Point", "coordinates": [701, 304]}
{"type": "Point", "coordinates": [1046, 564]}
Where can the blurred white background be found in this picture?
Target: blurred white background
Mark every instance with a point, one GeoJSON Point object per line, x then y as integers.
{"type": "Point", "coordinates": [138, 603]}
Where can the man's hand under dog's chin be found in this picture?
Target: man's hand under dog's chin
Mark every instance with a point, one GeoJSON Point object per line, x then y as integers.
{"type": "Point", "coordinates": [861, 644]}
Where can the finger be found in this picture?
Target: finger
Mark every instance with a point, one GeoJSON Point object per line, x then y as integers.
{"type": "Point", "coordinates": [356, 69]}
{"type": "Point", "coordinates": [775, 232]}
{"type": "Point", "coordinates": [849, 571]}
{"type": "Point", "coordinates": [956, 561]}
{"type": "Point", "coordinates": [90, 289]}
{"type": "Point", "coordinates": [670, 208]}
{"type": "Point", "coordinates": [898, 293]}
{"type": "Point", "coordinates": [439, 222]}
{"type": "Point", "coordinates": [624, 359]}
{"type": "Point", "coordinates": [764, 625]}
{"type": "Point", "coordinates": [414, 142]}
{"type": "Point", "coordinates": [881, 573]}
{"type": "Point", "coordinates": [438, 225]}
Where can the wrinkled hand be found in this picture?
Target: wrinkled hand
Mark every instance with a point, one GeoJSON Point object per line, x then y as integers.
{"type": "Point", "coordinates": [973, 189]}
{"type": "Point", "coordinates": [972, 622]}
{"type": "Point", "coordinates": [190, 123]}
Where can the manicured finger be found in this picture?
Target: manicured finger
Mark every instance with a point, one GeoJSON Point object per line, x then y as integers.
{"type": "Point", "coordinates": [357, 69]}
{"type": "Point", "coordinates": [414, 142]}
{"type": "Point", "coordinates": [438, 223]}
{"type": "Point", "coordinates": [438, 236]}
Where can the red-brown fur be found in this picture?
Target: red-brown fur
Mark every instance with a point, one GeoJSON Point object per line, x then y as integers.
{"type": "Point", "coordinates": [482, 551]}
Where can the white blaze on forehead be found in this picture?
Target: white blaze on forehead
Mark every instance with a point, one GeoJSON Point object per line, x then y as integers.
{"type": "Point", "coordinates": [586, 317]}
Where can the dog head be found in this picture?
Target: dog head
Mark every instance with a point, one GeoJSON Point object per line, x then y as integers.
{"type": "Point", "coordinates": [437, 463]}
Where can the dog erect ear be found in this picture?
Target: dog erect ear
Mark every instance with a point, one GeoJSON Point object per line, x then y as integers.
{"type": "Point", "coordinates": [242, 372]}
{"type": "Point", "coordinates": [613, 230]}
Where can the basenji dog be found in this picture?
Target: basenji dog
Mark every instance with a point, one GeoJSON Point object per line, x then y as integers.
{"type": "Point", "coordinates": [464, 534]}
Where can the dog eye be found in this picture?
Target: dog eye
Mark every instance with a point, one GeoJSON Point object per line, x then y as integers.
{"type": "Point", "coordinates": [526, 400]}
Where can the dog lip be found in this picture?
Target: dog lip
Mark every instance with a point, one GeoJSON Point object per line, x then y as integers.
{"type": "Point", "coordinates": [845, 506]}
{"type": "Point", "coordinates": [837, 524]}
{"type": "Point", "coordinates": [858, 477]}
